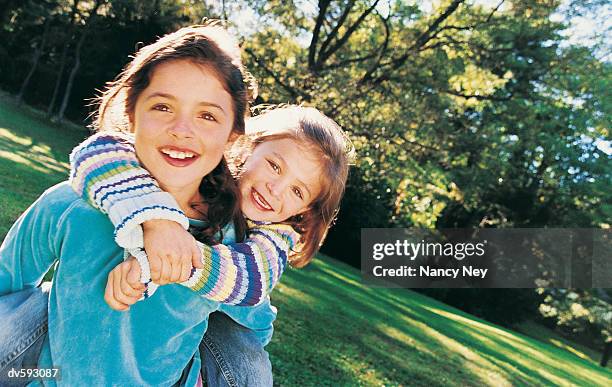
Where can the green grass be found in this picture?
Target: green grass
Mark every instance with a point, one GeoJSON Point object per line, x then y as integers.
{"type": "Point", "coordinates": [331, 329]}
{"type": "Point", "coordinates": [542, 333]}
{"type": "Point", "coordinates": [33, 157]}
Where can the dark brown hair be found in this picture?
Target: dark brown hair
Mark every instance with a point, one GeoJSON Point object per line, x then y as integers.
{"type": "Point", "coordinates": [211, 46]}
{"type": "Point", "coordinates": [323, 137]}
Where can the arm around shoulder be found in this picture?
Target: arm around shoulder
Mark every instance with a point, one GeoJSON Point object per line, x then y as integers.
{"type": "Point", "coordinates": [105, 171]}
{"type": "Point", "coordinates": [245, 273]}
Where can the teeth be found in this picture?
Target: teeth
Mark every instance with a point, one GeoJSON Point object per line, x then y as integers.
{"type": "Point", "coordinates": [261, 201]}
{"type": "Point", "coordinates": [178, 155]}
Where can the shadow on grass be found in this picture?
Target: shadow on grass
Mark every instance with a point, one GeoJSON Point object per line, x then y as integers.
{"type": "Point", "coordinates": [33, 157]}
{"type": "Point", "coordinates": [341, 342]}
{"type": "Point", "coordinates": [352, 334]}
{"type": "Point", "coordinates": [36, 135]}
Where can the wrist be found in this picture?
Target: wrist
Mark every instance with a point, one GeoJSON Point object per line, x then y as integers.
{"type": "Point", "coordinates": [155, 223]}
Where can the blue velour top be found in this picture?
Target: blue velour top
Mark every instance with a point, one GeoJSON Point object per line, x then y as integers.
{"type": "Point", "coordinates": [150, 344]}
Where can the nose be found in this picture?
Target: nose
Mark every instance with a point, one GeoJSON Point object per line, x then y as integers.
{"type": "Point", "coordinates": [277, 187]}
{"type": "Point", "coordinates": [181, 128]}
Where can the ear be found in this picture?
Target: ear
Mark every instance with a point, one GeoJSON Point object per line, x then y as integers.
{"type": "Point", "coordinates": [233, 137]}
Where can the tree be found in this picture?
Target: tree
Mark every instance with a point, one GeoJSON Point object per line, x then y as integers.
{"type": "Point", "coordinates": [464, 116]}
{"type": "Point", "coordinates": [64, 57]}
{"type": "Point", "coordinates": [87, 21]}
{"type": "Point", "coordinates": [585, 314]}
{"type": "Point", "coordinates": [35, 60]}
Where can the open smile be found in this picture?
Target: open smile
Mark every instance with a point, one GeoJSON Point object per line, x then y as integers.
{"type": "Point", "coordinates": [178, 157]}
{"type": "Point", "coordinates": [259, 201]}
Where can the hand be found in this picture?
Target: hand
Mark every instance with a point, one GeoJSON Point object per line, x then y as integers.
{"type": "Point", "coordinates": [123, 287]}
{"type": "Point", "coordinates": [171, 250]}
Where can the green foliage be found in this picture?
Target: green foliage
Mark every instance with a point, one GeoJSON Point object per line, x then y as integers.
{"type": "Point", "coordinates": [462, 116]}
{"type": "Point", "coordinates": [580, 313]}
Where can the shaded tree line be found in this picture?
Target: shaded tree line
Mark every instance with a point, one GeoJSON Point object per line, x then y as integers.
{"type": "Point", "coordinates": [56, 54]}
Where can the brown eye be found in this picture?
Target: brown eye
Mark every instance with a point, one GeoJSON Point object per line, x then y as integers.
{"type": "Point", "coordinates": [298, 192]}
{"type": "Point", "coordinates": [208, 117]}
{"type": "Point", "coordinates": [161, 107]}
{"type": "Point", "coordinates": [274, 166]}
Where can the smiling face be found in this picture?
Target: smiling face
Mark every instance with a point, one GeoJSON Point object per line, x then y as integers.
{"type": "Point", "coordinates": [279, 180]}
{"type": "Point", "coordinates": [182, 122]}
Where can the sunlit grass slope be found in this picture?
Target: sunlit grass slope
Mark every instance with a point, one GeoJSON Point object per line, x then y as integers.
{"type": "Point", "coordinates": [331, 330]}
{"type": "Point", "coordinates": [33, 157]}
{"type": "Point", "coordinates": [547, 335]}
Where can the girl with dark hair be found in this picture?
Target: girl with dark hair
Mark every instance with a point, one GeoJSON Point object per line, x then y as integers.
{"type": "Point", "coordinates": [316, 141]}
{"type": "Point", "coordinates": [181, 98]}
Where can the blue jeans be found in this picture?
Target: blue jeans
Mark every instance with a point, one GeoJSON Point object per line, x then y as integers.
{"type": "Point", "coordinates": [231, 354]}
{"type": "Point", "coordinates": [23, 327]}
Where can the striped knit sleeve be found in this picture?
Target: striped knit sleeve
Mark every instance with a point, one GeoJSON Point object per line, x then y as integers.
{"type": "Point", "coordinates": [105, 171]}
{"type": "Point", "coordinates": [240, 273]}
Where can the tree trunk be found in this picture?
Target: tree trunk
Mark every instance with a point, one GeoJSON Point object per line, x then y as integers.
{"type": "Point", "coordinates": [37, 54]}
{"type": "Point", "coordinates": [58, 82]}
{"type": "Point", "coordinates": [606, 353]}
{"type": "Point", "coordinates": [224, 11]}
{"type": "Point", "coordinates": [73, 72]}
{"type": "Point", "coordinates": [77, 59]}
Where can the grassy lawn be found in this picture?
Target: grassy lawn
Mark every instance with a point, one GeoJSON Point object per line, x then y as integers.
{"type": "Point", "coordinates": [547, 335]}
{"type": "Point", "coordinates": [33, 157]}
{"type": "Point", "coordinates": [332, 330]}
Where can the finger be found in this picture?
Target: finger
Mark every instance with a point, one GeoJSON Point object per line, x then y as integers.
{"type": "Point", "coordinates": [132, 294]}
{"type": "Point", "coordinates": [196, 258]}
{"type": "Point", "coordinates": [109, 296]}
{"type": "Point", "coordinates": [133, 276]}
{"type": "Point", "coordinates": [176, 270]}
{"type": "Point", "coordinates": [185, 271]}
{"type": "Point", "coordinates": [166, 271]}
{"type": "Point", "coordinates": [155, 265]}
{"type": "Point", "coordinates": [118, 283]}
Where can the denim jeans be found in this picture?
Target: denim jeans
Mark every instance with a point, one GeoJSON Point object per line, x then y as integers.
{"type": "Point", "coordinates": [23, 327]}
{"type": "Point", "coordinates": [231, 354]}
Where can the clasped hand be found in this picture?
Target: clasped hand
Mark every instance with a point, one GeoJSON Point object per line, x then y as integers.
{"type": "Point", "coordinates": [172, 253]}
